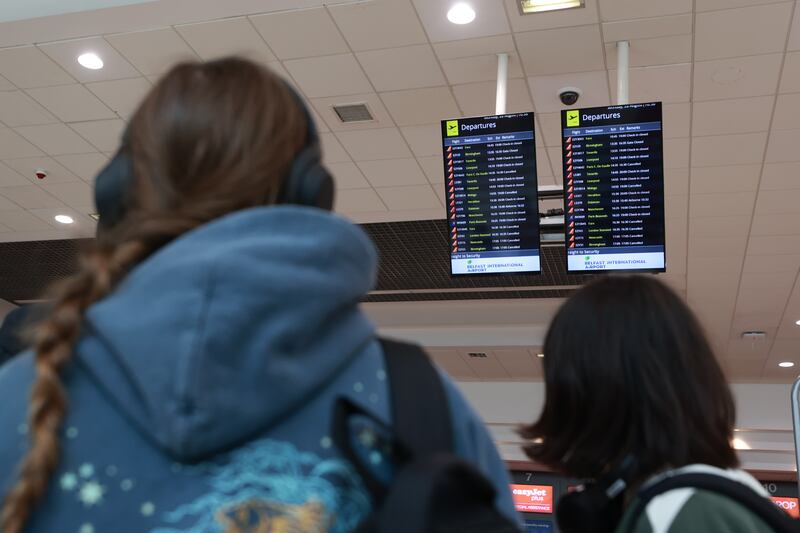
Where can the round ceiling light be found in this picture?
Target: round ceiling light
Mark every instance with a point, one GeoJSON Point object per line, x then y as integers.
{"type": "Point", "coordinates": [64, 219]}
{"type": "Point", "coordinates": [91, 61]}
{"type": "Point", "coordinates": [786, 364]}
{"type": "Point", "coordinates": [461, 13]}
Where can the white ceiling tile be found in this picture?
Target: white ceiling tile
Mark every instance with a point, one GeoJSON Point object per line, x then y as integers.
{"type": "Point", "coordinates": [475, 47]}
{"type": "Point", "coordinates": [777, 202]}
{"type": "Point", "coordinates": [347, 176]}
{"type": "Point", "coordinates": [729, 178]}
{"type": "Point", "coordinates": [83, 224]}
{"type": "Point", "coordinates": [787, 112]}
{"type": "Point", "coordinates": [656, 51]}
{"type": "Point", "coordinates": [544, 158]}
{"type": "Point", "coordinates": [66, 53]}
{"type": "Point", "coordinates": [19, 109]}
{"type": "Point", "coordinates": [78, 194]}
{"type": "Point", "coordinates": [635, 9]}
{"type": "Point", "coordinates": [490, 19]}
{"type": "Point", "coordinates": [332, 151]}
{"type": "Point", "coordinates": [421, 106]}
{"type": "Point", "coordinates": [27, 167]}
{"type": "Point", "coordinates": [409, 198]}
{"type": "Point", "coordinates": [545, 89]}
{"type": "Point", "coordinates": [226, 37]}
{"type": "Point", "coordinates": [782, 146]}
{"type": "Point", "coordinates": [745, 349]}
{"type": "Point", "coordinates": [713, 5]}
{"type": "Point", "coordinates": [6, 204]}
{"type": "Point", "coordinates": [11, 178]}
{"type": "Point", "coordinates": [122, 96]}
{"type": "Point", "coordinates": [551, 19]}
{"type": "Point", "coordinates": [738, 115]}
{"type": "Point", "coordinates": [424, 140]}
{"type": "Point", "coordinates": [551, 128]}
{"type": "Point", "coordinates": [432, 166]}
{"type": "Point", "coordinates": [288, 33]}
{"type": "Point", "coordinates": [676, 181]}
{"type": "Point", "coordinates": [717, 246]}
{"type": "Point", "coordinates": [29, 197]}
{"type": "Point", "coordinates": [153, 52]}
{"type": "Point", "coordinates": [790, 80]}
{"type": "Point", "coordinates": [452, 363]}
{"type": "Point", "coordinates": [485, 367]}
{"type": "Point", "coordinates": [370, 145]}
{"type": "Point", "coordinates": [764, 264]}
{"type": "Point", "coordinates": [358, 201]}
{"type": "Point", "coordinates": [773, 244]}
{"type": "Point", "coordinates": [519, 362]}
{"type": "Point", "coordinates": [105, 135]}
{"type": "Point", "coordinates": [676, 119]}
{"type": "Point", "coordinates": [579, 50]}
{"type": "Point", "coordinates": [722, 204]}
{"type": "Point", "coordinates": [794, 32]}
{"type": "Point", "coordinates": [395, 69]}
{"type": "Point", "coordinates": [667, 84]}
{"type": "Point", "coordinates": [739, 149]}
{"type": "Point", "coordinates": [85, 166]}
{"type": "Point", "coordinates": [478, 68]}
{"type": "Point", "coordinates": [741, 32]}
{"type": "Point", "coordinates": [6, 85]}
{"type": "Point", "coordinates": [676, 153]}
{"type": "Point", "coordinates": [718, 226]}
{"type": "Point", "coordinates": [324, 107]}
{"type": "Point", "coordinates": [648, 28]}
{"type": "Point", "coordinates": [781, 176]}
{"type": "Point", "coordinates": [13, 145]}
{"type": "Point", "coordinates": [775, 224]}
{"type": "Point", "coordinates": [22, 221]}
{"type": "Point", "coordinates": [329, 76]}
{"type": "Point", "coordinates": [478, 99]}
{"type": "Point", "coordinates": [379, 24]}
{"type": "Point", "coordinates": [736, 78]}
{"type": "Point", "coordinates": [392, 172]}
{"type": "Point", "coordinates": [71, 103]}
{"type": "Point", "coordinates": [54, 139]}
{"type": "Point", "coordinates": [27, 66]}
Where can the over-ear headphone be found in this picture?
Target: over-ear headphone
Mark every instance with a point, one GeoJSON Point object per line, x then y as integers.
{"type": "Point", "coordinates": [307, 183]}
{"type": "Point", "coordinates": [597, 507]}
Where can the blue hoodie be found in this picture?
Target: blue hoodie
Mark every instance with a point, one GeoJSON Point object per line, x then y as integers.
{"type": "Point", "coordinates": [202, 389]}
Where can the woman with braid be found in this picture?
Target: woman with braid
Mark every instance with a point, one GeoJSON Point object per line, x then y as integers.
{"type": "Point", "coordinates": [185, 378]}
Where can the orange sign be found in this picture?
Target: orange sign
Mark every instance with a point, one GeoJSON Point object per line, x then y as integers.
{"type": "Point", "coordinates": [533, 498]}
{"type": "Point", "coordinates": [788, 504]}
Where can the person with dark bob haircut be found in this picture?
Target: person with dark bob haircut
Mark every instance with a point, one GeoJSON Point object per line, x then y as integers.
{"type": "Point", "coordinates": [634, 391]}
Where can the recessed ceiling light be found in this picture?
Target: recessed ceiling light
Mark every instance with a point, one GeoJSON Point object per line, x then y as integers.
{"type": "Point", "coordinates": [786, 364]}
{"type": "Point", "coordinates": [798, 322]}
{"type": "Point", "coordinates": [540, 355]}
{"type": "Point", "coordinates": [539, 6]}
{"type": "Point", "coordinates": [461, 13]}
{"type": "Point", "coordinates": [91, 61]}
{"type": "Point", "coordinates": [64, 219]}
{"type": "Point", "coordinates": [739, 444]}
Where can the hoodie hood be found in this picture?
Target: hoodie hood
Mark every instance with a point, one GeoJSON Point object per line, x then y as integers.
{"type": "Point", "coordinates": [233, 326]}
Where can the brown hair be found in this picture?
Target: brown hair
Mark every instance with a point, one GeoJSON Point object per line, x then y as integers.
{"type": "Point", "coordinates": [629, 371]}
{"type": "Point", "coordinates": [209, 139]}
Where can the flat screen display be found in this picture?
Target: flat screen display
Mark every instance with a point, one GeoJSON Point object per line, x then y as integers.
{"type": "Point", "coordinates": [491, 194]}
{"type": "Point", "coordinates": [533, 498]}
{"type": "Point", "coordinates": [614, 188]}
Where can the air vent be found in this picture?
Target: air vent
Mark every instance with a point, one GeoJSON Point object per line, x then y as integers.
{"type": "Point", "coordinates": [353, 113]}
{"type": "Point", "coordinates": [478, 355]}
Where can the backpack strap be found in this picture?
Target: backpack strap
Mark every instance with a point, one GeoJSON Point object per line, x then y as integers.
{"type": "Point", "coordinates": [420, 412]}
{"type": "Point", "coordinates": [776, 519]}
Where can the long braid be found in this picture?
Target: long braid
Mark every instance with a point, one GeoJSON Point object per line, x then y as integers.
{"type": "Point", "coordinates": [54, 342]}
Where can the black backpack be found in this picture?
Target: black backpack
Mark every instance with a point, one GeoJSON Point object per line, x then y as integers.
{"type": "Point", "coordinates": [432, 490]}
{"type": "Point", "coordinates": [775, 518]}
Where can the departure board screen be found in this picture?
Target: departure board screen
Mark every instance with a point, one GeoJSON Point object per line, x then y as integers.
{"type": "Point", "coordinates": [614, 188]}
{"type": "Point", "coordinates": [491, 194]}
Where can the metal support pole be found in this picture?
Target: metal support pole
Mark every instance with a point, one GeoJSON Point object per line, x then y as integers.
{"type": "Point", "coordinates": [623, 70]}
{"type": "Point", "coordinates": [796, 426]}
{"type": "Point", "coordinates": [502, 84]}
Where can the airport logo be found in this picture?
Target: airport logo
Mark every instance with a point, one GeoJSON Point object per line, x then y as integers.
{"type": "Point", "coordinates": [573, 118]}
{"type": "Point", "coordinates": [452, 128]}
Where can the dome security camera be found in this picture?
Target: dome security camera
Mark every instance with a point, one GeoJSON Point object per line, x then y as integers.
{"type": "Point", "coordinates": [569, 95]}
